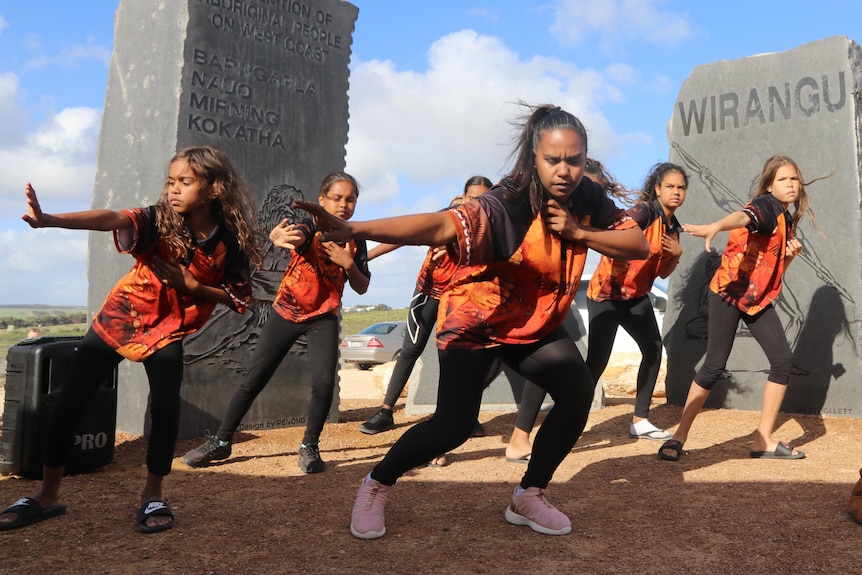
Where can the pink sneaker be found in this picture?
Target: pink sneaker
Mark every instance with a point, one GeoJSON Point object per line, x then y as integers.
{"type": "Point", "coordinates": [532, 509]}
{"type": "Point", "coordinates": [367, 521]}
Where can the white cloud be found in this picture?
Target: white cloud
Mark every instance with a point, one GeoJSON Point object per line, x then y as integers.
{"type": "Point", "coordinates": [43, 266]}
{"type": "Point", "coordinates": [3, 23]}
{"type": "Point", "coordinates": [59, 159]}
{"type": "Point", "coordinates": [12, 115]}
{"type": "Point", "coordinates": [617, 23]}
{"type": "Point", "coordinates": [453, 120]}
{"type": "Point", "coordinates": [393, 278]}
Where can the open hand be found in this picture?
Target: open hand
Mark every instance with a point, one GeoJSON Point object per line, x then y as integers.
{"type": "Point", "coordinates": [34, 215]}
{"type": "Point", "coordinates": [286, 235]}
{"type": "Point", "coordinates": [707, 231]}
{"type": "Point", "coordinates": [338, 254]}
{"type": "Point", "coordinates": [335, 229]}
{"type": "Point", "coordinates": [670, 244]}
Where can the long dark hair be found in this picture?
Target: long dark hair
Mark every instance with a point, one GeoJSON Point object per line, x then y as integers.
{"type": "Point", "coordinates": [535, 121]}
{"type": "Point", "coordinates": [800, 205]}
{"type": "Point", "coordinates": [478, 181]}
{"type": "Point", "coordinates": [597, 172]}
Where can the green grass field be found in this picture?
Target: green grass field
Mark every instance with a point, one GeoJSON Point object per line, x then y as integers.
{"type": "Point", "coordinates": [353, 322]}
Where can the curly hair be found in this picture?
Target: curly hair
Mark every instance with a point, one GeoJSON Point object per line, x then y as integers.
{"type": "Point", "coordinates": [233, 206]}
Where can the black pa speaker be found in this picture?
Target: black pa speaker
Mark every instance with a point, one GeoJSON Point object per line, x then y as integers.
{"type": "Point", "coordinates": [35, 372]}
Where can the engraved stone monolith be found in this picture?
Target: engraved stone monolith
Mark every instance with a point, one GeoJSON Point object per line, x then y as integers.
{"type": "Point", "coordinates": [267, 83]}
{"type": "Point", "coordinates": [728, 119]}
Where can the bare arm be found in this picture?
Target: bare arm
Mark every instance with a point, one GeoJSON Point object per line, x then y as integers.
{"type": "Point", "coordinates": [96, 220]}
{"type": "Point", "coordinates": [433, 229]}
{"type": "Point", "coordinates": [287, 236]}
{"type": "Point", "coordinates": [731, 221]}
{"type": "Point", "coordinates": [381, 249]}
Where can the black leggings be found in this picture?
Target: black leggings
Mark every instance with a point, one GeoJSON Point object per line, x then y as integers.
{"type": "Point", "coordinates": [554, 364]}
{"type": "Point", "coordinates": [421, 322]}
{"type": "Point", "coordinates": [421, 319]}
{"type": "Point", "coordinates": [276, 338]}
{"type": "Point", "coordinates": [95, 361]}
{"type": "Point", "coordinates": [766, 329]}
{"type": "Point", "coordinates": [638, 319]}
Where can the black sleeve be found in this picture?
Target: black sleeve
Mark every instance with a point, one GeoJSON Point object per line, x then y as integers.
{"type": "Point", "coordinates": [589, 198]}
{"type": "Point", "coordinates": [361, 258]}
{"type": "Point", "coordinates": [508, 219]}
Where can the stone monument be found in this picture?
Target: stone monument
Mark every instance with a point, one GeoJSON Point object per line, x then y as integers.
{"type": "Point", "coordinates": [729, 117]}
{"type": "Point", "coordinates": [267, 83]}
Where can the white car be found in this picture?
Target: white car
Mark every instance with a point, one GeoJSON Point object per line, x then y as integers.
{"type": "Point", "coordinates": [623, 341]}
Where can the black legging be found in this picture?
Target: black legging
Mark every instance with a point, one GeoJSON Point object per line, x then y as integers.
{"type": "Point", "coordinates": [421, 319]}
{"type": "Point", "coordinates": [421, 322]}
{"type": "Point", "coordinates": [766, 329]}
{"type": "Point", "coordinates": [94, 361]}
{"type": "Point", "coordinates": [554, 363]}
{"type": "Point", "coordinates": [638, 319]}
{"type": "Point", "coordinates": [276, 338]}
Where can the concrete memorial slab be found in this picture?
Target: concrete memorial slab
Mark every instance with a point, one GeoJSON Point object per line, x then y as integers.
{"type": "Point", "coordinates": [267, 83]}
{"type": "Point", "coordinates": [729, 117]}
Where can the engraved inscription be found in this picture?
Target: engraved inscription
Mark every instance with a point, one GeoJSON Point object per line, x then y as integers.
{"type": "Point", "coordinates": [728, 111]}
{"type": "Point", "coordinates": [294, 27]}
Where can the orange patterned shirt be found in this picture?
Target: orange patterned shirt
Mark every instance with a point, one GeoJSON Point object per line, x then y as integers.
{"type": "Point", "coordinates": [434, 276]}
{"type": "Point", "coordinates": [752, 264]}
{"type": "Point", "coordinates": [312, 284]}
{"type": "Point", "coordinates": [516, 279]}
{"type": "Point", "coordinates": [141, 315]}
{"type": "Point", "coordinates": [621, 280]}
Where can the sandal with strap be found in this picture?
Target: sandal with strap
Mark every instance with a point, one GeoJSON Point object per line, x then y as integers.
{"type": "Point", "coordinates": [673, 445]}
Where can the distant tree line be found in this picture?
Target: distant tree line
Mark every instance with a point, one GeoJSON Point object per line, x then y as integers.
{"type": "Point", "coordinates": [46, 318]}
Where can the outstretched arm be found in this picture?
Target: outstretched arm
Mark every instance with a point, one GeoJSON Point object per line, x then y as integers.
{"type": "Point", "coordinates": [96, 220]}
{"type": "Point", "coordinates": [433, 229]}
{"type": "Point", "coordinates": [731, 221]}
{"type": "Point", "coordinates": [381, 249]}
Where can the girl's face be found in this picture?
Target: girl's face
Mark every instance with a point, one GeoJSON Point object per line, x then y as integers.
{"type": "Point", "coordinates": [474, 192]}
{"type": "Point", "coordinates": [786, 186]}
{"type": "Point", "coordinates": [188, 193]}
{"type": "Point", "coordinates": [339, 200]}
{"type": "Point", "coordinates": [671, 191]}
{"type": "Point", "coordinates": [560, 160]}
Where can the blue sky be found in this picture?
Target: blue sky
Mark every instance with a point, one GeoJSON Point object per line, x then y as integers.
{"type": "Point", "coordinates": [448, 70]}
